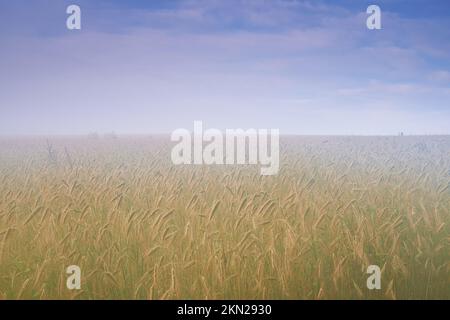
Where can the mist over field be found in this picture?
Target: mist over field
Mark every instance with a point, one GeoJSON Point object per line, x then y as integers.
{"type": "Point", "coordinates": [108, 192]}
{"type": "Point", "coordinates": [141, 228]}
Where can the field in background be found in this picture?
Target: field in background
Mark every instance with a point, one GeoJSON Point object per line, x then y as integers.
{"type": "Point", "coordinates": [141, 228]}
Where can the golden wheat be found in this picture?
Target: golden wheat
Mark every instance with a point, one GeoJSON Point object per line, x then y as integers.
{"type": "Point", "coordinates": [141, 228]}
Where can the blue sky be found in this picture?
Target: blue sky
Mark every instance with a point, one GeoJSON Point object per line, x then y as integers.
{"type": "Point", "coordinates": [304, 67]}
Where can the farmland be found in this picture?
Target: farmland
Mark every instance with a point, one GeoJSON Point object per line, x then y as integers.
{"type": "Point", "coordinates": [140, 227]}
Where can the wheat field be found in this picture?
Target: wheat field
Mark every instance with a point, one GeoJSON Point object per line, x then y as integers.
{"type": "Point", "coordinates": [142, 228]}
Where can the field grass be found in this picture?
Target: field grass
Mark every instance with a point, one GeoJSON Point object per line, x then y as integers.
{"type": "Point", "coordinates": [141, 228]}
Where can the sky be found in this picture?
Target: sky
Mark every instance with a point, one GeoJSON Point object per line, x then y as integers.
{"type": "Point", "coordinates": [303, 67]}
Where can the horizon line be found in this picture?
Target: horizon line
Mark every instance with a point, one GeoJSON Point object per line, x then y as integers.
{"type": "Point", "coordinates": [117, 135]}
